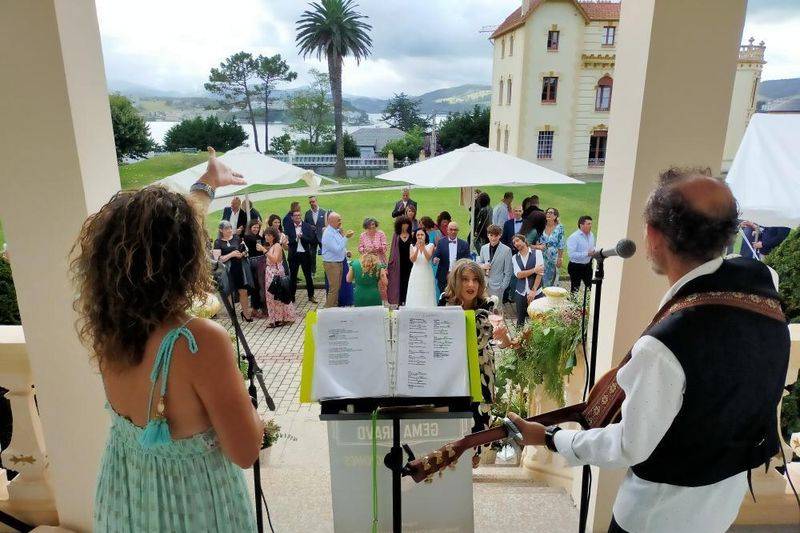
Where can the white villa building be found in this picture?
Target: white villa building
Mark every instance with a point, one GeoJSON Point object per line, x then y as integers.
{"type": "Point", "coordinates": [553, 85]}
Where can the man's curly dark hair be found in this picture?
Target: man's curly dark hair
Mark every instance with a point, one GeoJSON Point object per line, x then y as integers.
{"type": "Point", "coordinates": [690, 232]}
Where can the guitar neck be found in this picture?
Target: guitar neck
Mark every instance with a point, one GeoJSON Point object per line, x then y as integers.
{"type": "Point", "coordinates": [570, 413]}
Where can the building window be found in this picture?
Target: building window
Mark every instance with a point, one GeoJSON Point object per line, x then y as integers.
{"type": "Point", "coordinates": [552, 40]}
{"type": "Point", "coordinates": [511, 46]}
{"type": "Point", "coordinates": [502, 48]}
{"type": "Point", "coordinates": [597, 148]}
{"type": "Point", "coordinates": [508, 94]}
{"type": "Point", "coordinates": [609, 34]}
{"type": "Point", "coordinates": [505, 142]}
{"type": "Point", "coordinates": [497, 141]}
{"type": "Point", "coordinates": [549, 89]}
{"type": "Point", "coordinates": [602, 101]}
{"type": "Point", "coordinates": [544, 149]}
{"type": "Point", "coordinates": [500, 94]}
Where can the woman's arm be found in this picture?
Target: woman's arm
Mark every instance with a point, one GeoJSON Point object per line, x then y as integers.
{"type": "Point", "coordinates": [362, 243]}
{"type": "Point", "coordinates": [349, 276]}
{"type": "Point", "coordinates": [427, 252]}
{"type": "Point", "coordinates": [414, 252]}
{"type": "Point", "coordinates": [274, 254]}
{"type": "Point", "coordinates": [219, 385]}
{"type": "Point", "coordinates": [217, 175]}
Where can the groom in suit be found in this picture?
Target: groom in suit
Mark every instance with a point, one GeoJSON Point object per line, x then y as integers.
{"type": "Point", "coordinates": [447, 252]}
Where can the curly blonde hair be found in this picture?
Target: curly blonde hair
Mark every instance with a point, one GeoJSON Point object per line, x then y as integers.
{"type": "Point", "coordinates": [452, 292]}
{"type": "Point", "coordinates": [369, 264]}
{"type": "Point", "coordinates": [138, 263]}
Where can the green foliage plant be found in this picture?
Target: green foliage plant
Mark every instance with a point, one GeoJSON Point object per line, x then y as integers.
{"type": "Point", "coordinates": [785, 259]}
{"type": "Point", "coordinates": [9, 310]}
{"type": "Point", "coordinates": [462, 129]}
{"type": "Point", "coordinates": [200, 133]}
{"type": "Point", "coordinates": [407, 146]}
{"type": "Point", "coordinates": [403, 112]}
{"type": "Point", "coordinates": [131, 133]}
{"type": "Point", "coordinates": [546, 351]}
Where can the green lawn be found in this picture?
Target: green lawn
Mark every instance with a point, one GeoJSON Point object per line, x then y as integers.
{"type": "Point", "coordinates": [137, 175]}
{"type": "Point", "coordinates": [571, 200]}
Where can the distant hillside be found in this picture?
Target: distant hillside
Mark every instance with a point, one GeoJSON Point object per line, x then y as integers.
{"type": "Point", "coordinates": [771, 89]}
{"type": "Point", "coordinates": [461, 98]}
{"type": "Point", "coordinates": [779, 95]}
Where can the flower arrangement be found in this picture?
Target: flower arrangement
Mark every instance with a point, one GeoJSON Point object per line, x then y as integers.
{"type": "Point", "coordinates": [273, 433]}
{"type": "Point", "coordinates": [544, 353]}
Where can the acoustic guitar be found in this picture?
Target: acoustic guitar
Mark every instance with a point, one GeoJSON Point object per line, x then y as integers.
{"type": "Point", "coordinates": [604, 404]}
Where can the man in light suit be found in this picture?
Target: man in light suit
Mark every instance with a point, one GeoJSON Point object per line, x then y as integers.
{"type": "Point", "coordinates": [447, 252]}
{"type": "Point", "coordinates": [317, 217]}
{"type": "Point", "coordinates": [400, 207]}
{"type": "Point", "coordinates": [495, 259]}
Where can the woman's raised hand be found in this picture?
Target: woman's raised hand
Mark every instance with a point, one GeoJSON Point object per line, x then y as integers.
{"type": "Point", "coordinates": [218, 174]}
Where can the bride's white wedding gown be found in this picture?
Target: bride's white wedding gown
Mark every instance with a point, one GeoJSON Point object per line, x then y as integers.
{"type": "Point", "coordinates": [421, 290]}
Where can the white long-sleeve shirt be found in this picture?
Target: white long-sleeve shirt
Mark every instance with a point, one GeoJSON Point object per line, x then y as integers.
{"type": "Point", "coordinates": [654, 383]}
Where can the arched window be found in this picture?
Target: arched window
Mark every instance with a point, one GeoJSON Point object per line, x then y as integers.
{"type": "Point", "coordinates": [508, 95]}
{"type": "Point", "coordinates": [602, 101]}
{"type": "Point", "coordinates": [500, 93]}
{"type": "Point", "coordinates": [597, 147]}
{"type": "Point", "coordinates": [499, 138]}
{"type": "Point", "coordinates": [511, 46]}
{"type": "Point", "coordinates": [505, 142]}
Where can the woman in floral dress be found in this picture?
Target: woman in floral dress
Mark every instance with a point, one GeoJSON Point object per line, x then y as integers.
{"type": "Point", "coordinates": [278, 312]}
{"type": "Point", "coordinates": [551, 243]}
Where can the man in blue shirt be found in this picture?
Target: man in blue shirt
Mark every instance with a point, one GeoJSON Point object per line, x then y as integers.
{"type": "Point", "coordinates": [580, 246]}
{"type": "Point", "coordinates": [334, 251]}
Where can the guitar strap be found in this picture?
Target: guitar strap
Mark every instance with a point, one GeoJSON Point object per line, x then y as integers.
{"type": "Point", "coordinates": [607, 408]}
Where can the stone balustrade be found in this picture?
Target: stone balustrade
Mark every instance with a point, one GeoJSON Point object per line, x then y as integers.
{"type": "Point", "coordinates": [29, 496]}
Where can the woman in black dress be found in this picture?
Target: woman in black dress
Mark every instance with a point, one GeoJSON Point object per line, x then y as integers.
{"type": "Point", "coordinates": [232, 254]}
{"type": "Point", "coordinates": [255, 243]}
{"type": "Point", "coordinates": [400, 261]}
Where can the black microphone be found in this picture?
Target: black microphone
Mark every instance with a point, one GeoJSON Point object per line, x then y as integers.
{"type": "Point", "coordinates": [625, 248]}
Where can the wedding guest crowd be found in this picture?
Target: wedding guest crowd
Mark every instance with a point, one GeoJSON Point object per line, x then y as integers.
{"type": "Point", "coordinates": [519, 248]}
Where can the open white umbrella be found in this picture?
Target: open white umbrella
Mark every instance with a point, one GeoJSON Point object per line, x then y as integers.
{"type": "Point", "coordinates": [255, 167]}
{"type": "Point", "coordinates": [476, 166]}
{"type": "Point", "coordinates": [765, 174]}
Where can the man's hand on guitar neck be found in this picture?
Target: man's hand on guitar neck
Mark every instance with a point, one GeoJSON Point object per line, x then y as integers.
{"type": "Point", "coordinates": [532, 432]}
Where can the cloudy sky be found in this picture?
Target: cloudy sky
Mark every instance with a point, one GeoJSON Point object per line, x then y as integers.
{"type": "Point", "coordinates": [419, 45]}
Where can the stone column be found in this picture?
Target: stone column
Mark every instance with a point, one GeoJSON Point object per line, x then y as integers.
{"type": "Point", "coordinates": [59, 165]}
{"type": "Point", "coordinates": [675, 66]}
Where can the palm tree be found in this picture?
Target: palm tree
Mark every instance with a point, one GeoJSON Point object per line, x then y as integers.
{"type": "Point", "coordinates": [335, 29]}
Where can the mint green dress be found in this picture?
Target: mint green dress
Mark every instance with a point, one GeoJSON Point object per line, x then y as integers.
{"type": "Point", "coordinates": [149, 482]}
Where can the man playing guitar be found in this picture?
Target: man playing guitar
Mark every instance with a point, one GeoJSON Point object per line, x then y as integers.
{"type": "Point", "coordinates": [701, 393]}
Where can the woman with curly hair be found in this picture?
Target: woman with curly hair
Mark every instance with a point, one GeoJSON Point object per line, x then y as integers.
{"type": "Point", "coordinates": [400, 261]}
{"type": "Point", "coordinates": [466, 287]}
{"type": "Point", "coordinates": [183, 426]}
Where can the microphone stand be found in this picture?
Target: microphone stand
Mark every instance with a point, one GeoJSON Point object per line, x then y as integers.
{"type": "Point", "coordinates": [586, 473]}
{"type": "Point", "coordinates": [254, 373]}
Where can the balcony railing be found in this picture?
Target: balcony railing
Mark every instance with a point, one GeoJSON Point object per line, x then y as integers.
{"type": "Point", "coordinates": [29, 496]}
{"type": "Point", "coordinates": [597, 161]}
{"type": "Point", "coordinates": [329, 160]}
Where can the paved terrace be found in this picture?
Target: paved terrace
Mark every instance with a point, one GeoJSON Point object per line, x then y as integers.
{"type": "Point", "coordinates": [297, 479]}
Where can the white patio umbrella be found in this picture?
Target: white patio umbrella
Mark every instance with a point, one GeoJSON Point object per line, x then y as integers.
{"type": "Point", "coordinates": [255, 167]}
{"type": "Point", "coordinates": [765, 174]}
{"type": "Point", "coordinates": [476, 166]}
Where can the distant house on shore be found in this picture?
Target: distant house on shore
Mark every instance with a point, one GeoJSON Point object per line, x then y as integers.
{"type": "Point", "coordinates": [370, 141]}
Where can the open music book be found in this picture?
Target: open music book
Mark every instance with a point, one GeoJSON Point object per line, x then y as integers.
{"type": "Point", "coordinates": [370, 352]}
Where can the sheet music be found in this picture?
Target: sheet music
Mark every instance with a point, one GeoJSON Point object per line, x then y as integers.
{"type": "Point", "coordinates": [431, 352]}
{"type": "Point", "coordinates": [350, 360]}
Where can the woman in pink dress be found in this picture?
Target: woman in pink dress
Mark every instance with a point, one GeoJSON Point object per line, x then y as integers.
{"type": "Point", "coordinates": [372, 240]}
{"type": "Point", "coordinates": [278, 312]}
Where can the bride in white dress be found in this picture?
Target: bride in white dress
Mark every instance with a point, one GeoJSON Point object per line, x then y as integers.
{"type": "Point", "coordinates": [421, 292]}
